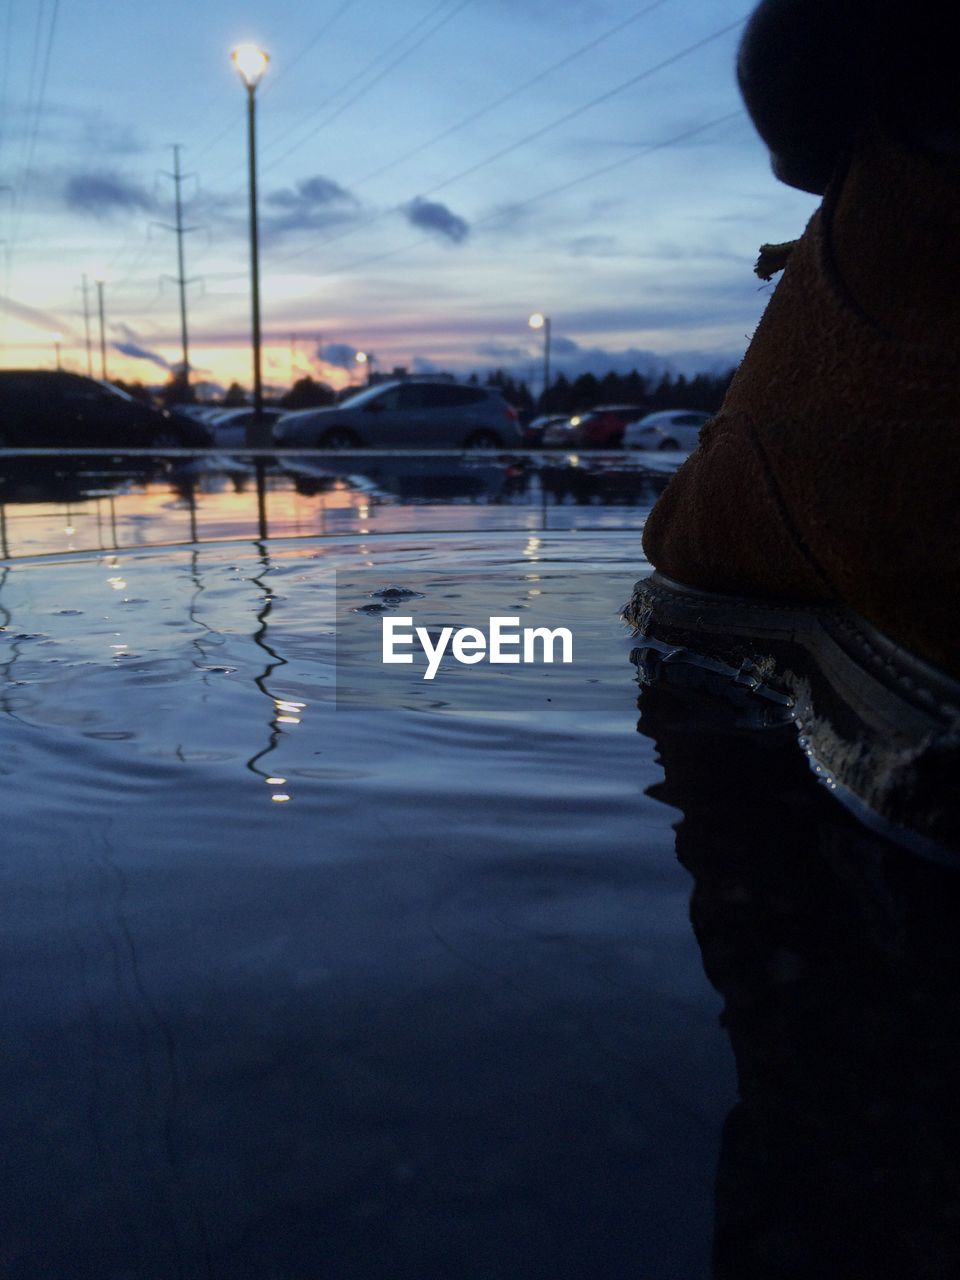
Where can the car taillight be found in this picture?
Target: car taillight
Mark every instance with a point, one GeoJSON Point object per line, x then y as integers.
{"type": "Point", "coordinates": [511, 413]}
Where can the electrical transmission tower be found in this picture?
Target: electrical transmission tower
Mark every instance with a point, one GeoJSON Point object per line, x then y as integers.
{"type": "Point", "coordinates": [180, 279]}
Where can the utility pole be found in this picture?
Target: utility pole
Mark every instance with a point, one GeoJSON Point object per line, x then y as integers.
{"type": "Point", "coordinates": [86, 326]}
{"type": "Point", "coordinates": [103, 332]}
{"type": "Point", "coordinates": [180, 279]}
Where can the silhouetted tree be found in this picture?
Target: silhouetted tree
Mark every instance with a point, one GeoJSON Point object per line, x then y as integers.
{"type": "Point", "coordinates": [585, 392]}
{"type": "Point", "coordinates": [307, 393]}
{"type": "Point", "coordinates": [703, 391]}
{"type": "Point", "coordinates": [178, 389]}
{"type": "Point", "coordinates": [558, 398]}
{"type": "Point", "coordinates": [236, 397]}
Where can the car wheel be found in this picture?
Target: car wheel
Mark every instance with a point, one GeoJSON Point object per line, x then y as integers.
{"type": "Point", "coordinates": [339, 438]}
{"type": "Point", "coordinates": [482, 440]}
{"type": "Point", "coordinates": [667, 444]}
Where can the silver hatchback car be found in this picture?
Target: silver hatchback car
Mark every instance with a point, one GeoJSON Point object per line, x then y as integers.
{"type": "Point", "coordinates": [406, 415]}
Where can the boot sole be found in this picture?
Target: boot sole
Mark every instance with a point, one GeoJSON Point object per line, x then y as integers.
{"type": "Point", "coordinates": [879, 726]}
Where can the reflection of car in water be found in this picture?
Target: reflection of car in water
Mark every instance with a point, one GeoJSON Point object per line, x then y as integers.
{"type": "Point", "coordinates": [413, 479]}
{"type": "Point", "coordinates": [33, 480]}
{"type": "Point", "coordinates": [611, 481]}
{"type": "Point", "coordinates": [406, 415]}
{"type": "Point", "coordinates": [43, 409]}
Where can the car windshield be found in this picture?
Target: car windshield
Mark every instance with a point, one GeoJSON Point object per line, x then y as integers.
{"type": "Point", "coordinates": [366, 395]}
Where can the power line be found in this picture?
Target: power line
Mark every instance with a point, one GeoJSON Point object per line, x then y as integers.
{"type": "Point", "coordinates": [586, 106]}
{"type": "Point", "coordinates": [312, 44]}
{"type": "Point", "coordinates": [649, 149]}
{"type": "Point", "coordinates": [28, 111]}
{"type": "Point", "coordinates": [271, 84]}
{"type": "Point", "coordinates": [37, 113]}
{"type": "Point", "coordinates": [638, 154]}
{"type": "Point", "coordinates": [365, 89]}
{"type": "Point", "coordinates": [529, 137]}
{"type": "Point", "coordinates": [8, 41]}
{"type": "Point", "coordinates": [511, 94]}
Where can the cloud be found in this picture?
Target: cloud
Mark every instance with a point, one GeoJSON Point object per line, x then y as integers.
{"type": "Point", "coordinates": [340, 354]}
{"type": "Point", "coordinates": [315, 204]}
{"type": "Point", "coordinates": [502, 351]}
{"type": "Point", "coordinates": [31, 315]}
{"type": "Point", "coordinates": [105, 193]}
{"type": "Point", "coordinates": [437, 219]}
{"type": "Point", "coordinates": [134, 347]}
{"type": "Point", "coordinates": [564, 347]}
{"type": "Point", "coordinates": [572, 360]}
{"type": "Point", "coordinates": [75, 128]}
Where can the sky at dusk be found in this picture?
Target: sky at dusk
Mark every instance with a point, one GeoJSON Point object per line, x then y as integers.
{"type": "Point", "coordinates": [430, 173]}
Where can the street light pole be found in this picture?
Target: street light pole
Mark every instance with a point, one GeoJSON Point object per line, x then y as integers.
{"type": "Point", "coordinates": [103, 332]}
{"type": "Point", "coordinates": [56, 348]}
{"type": "Point", "coordinates": [254, 251]}
{"type": "Point", "coordinates": [251, 63]}
{"type": "Point", "coordinates": [539, 321]}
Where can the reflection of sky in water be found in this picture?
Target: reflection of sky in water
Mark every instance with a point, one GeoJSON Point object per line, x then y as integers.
{"type": "Point", "coordinates": [293, 990]}
{"type": "Point", "coordinates": [432, 975]}
{"type": "Point", "coordinates": [54, 514]}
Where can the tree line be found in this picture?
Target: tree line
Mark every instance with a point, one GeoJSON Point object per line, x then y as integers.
{"type": "Point", "coordinates": [668, 391]}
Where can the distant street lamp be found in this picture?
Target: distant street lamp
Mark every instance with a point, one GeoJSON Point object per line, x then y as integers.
{"type": "Point", "coordinates": [364, 363]}
{"type": "Point", "coordinates": [251, 62]}
{"type": "Point", "coordinates": [539, 321]}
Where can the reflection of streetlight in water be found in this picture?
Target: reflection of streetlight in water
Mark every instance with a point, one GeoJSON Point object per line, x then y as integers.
{"type": "Point", "coordinates": [285, 710]}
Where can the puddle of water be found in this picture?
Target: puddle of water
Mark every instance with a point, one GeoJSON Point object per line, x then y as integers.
{"type": "Point", "coordinates": [376, 992]}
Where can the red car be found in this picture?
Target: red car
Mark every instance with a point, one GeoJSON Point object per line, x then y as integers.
{"type": "Point", "coordinates": [602, 427]}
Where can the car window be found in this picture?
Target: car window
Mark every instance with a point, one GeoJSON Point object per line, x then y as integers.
{"type": "Point", "coordinates": [407, 397]}
{"type": "Point", "coordinates": [439, 397]}
{"type": "Point", "coordinates": [357, 399]}
{"type": "Point", "coordinates": [390, 399]}
{"type": "Point", "coordinates": [690, 419]}
{"type": "Point", "coordinates": [79, 390]}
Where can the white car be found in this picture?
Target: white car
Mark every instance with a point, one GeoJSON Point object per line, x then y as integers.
{"type": "Point", "coordinates": [229, 426]}
{"type": "Point", "coordinates": [674, 429]}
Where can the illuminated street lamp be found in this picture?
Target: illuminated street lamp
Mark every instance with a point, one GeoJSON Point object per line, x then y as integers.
{"type": "Point", "coordinates": [251, 63]}
{"type": "Point", "coordinates": [539, 321]}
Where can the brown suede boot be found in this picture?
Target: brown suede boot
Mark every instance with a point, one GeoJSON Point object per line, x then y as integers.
{"type": "Point", "coordinates": [830, 479]}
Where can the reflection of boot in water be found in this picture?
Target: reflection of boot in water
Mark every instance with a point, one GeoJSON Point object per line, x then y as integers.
{"type": "Point", "coordinates": [836, 957]}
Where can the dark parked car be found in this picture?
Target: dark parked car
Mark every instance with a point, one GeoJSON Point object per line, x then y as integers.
{"type": "Point", "coordinates": [415, 414]}
{"type": "Point", "coordinates": [58, 410]}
